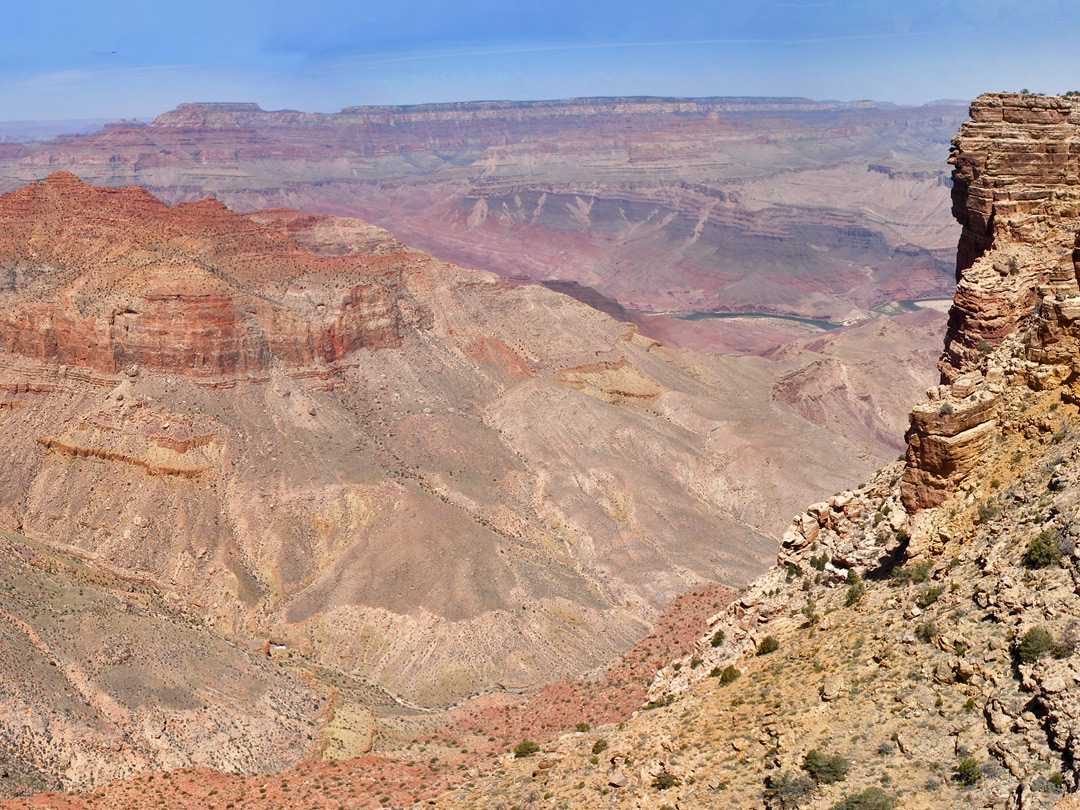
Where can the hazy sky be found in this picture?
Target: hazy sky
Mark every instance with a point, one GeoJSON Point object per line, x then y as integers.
{"type": "Point", "coordinates": [112, 58]}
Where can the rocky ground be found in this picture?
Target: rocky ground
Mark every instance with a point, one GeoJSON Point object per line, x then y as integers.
{"type": "Point", "coordinates": [419, 755]}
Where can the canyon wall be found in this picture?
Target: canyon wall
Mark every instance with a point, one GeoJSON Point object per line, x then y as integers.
{"type": "Point", "coordinates": [1016, 192]}
{"type": "Point", "coordinates": [822, 210]}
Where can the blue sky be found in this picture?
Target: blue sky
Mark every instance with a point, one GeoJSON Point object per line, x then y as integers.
{"type": "Point", "coordinates": [61, 59]}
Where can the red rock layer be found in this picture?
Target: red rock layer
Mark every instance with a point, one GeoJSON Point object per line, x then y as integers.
{"type": "Point", "coordinates": [107, 278]}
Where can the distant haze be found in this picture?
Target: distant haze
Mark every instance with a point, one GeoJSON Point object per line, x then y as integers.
{"type": "Point", "coordinates": [120, 59]}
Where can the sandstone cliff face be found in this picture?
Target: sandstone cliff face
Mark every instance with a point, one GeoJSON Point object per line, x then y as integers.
{"type": "Point", "coordinates": [1015, 180]}
{"type": "Point", "coordinates": [1016, 171]}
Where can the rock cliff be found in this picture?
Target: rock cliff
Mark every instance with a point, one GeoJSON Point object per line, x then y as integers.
{"type": "Point", "coordinates": [1016, 171]}
{"type": "Point", "coordinates": [817, 209]}
{"type": "Point", "coordinates": [112, 278]}
{"type": "Point", "coordinates": [1015, 192]}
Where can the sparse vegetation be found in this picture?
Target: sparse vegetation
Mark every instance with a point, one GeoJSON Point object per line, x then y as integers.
{"type": "Point", "coordinates": [988, 511]}
{"type": "Point", "coordinates": [664, 780]}
{"type": "Point", "coordinates": [928, 597]}
{"type": "Point", "coordinates": [1034, 644]}
{"type": "Point", "coordinates": [855, 593]}
{"type": "Point", "coordinates": [663, 700]}
{"type": "Point", "coordinates": [917, 574]}
{"type": "Point", "coordinates": [726, 675]}
{"type": "Point", "coordinates": [718, 638]}
{"type": "Point", "coordinates": [968, 771]}
{"type": "Point", "coordinates": [784, 791]}
{"type": "Point", "coordinates": [873, 798]}
{"type": "Point", "coordinates": [926, 631]}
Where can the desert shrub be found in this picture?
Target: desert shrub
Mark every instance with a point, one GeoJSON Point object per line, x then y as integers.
{"type": "Point", "coordinates": [855, 592]}
{"type": "Point", "coordinates": [727, 675]}
{"type": "Point", "coordinates": [525, 748]}
{"type": "Point", "coordinates": [784, 791]}
{"type": "Point", "coordinates": [600, 746]}
{"type": "Point", "coordinates": [718, 638]}
{"type": "Point", "coordinates": [927, 631]}
{"type": "Point", "coordinates": [928, 597]}
{"type": "Point", "coordinates": [825, 768]}
{"type": "Point", "coordinates": [1044, 550]}
{"type": "Point", "coordinates": [767, 645]}
{"type": "Point", "coordinates": [870, 799]}
{"type": "Point", "coordinates": [664, 700]}
{"type": "Point", "coordinates": [582, 726]}
{"type": "Point", "coordinates": [946, 409]}
{"type": "Point", "coordinates": [967, 771]}
{"type": "Point", "coordinates": [696, 662]}
{"type": "Point", "coordinates": [664, 780]}
{"type": "Point", "coordinates": [1034, 644]}
{"type": "Point", "coordinates": [916, 573]}
{"type": "Point", "coordinates": [988, 511]}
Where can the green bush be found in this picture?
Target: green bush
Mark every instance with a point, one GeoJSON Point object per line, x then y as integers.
{"type": "Point", "coordinates": [870, 799]}
{"type": "Point", "coordinates": [854, 593]}
{"type": "Point", "coordinates": [917, 573]}
{"type": "Point", "coordinates": [927, 631]}
{"type": "Point", "coordinates": [718, 638]}
{"type": "Point", "coordinates": [729, 675]}
{"type": "Point", "coordinates": [784, 791]}
{"type": "Point", "coordinates": [767, 645]}
{"type": "Point", "coordinates": [967, 771]}
{"type": "Point", "coordinates": [660, 702]}
{"type": "Point", "coordinates": [1044, 550]}
{"type": "Point", "coordinates": [1034, 644]}
{"type": "Point", "coordinates": [582, 726]}
{"type": "Point", "coordinates": [928, 597]}
{"type": "Point", "coordinates": [664, 780]}
{"type": "Point", "coordinates": [525, 748]}
{"type": "Point", "coordinates": [988, 511]}
{"type": "Point", "coordinates": [600, 746]}
{"type": "Point", "coordinates": [825, 768]}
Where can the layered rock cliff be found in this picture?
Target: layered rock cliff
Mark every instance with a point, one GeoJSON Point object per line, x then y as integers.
{"type": "Point", "coordinates": [1016, 192]}
{"type": "Point", "coordinates": [817, 209]}
{"type": "Point", "coordinates": [111, 278]}
{"type": "Point", "coordinates": [1016, 177]}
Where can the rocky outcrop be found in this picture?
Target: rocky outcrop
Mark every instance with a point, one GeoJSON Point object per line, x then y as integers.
{"type": "Point", "coordinates": [1016, 192]}
{"type": "Point", "coordinates": [110, 278]}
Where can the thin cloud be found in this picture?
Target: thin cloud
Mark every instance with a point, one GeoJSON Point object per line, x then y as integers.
{"type": "Point", "coordinates": [360, 63]}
